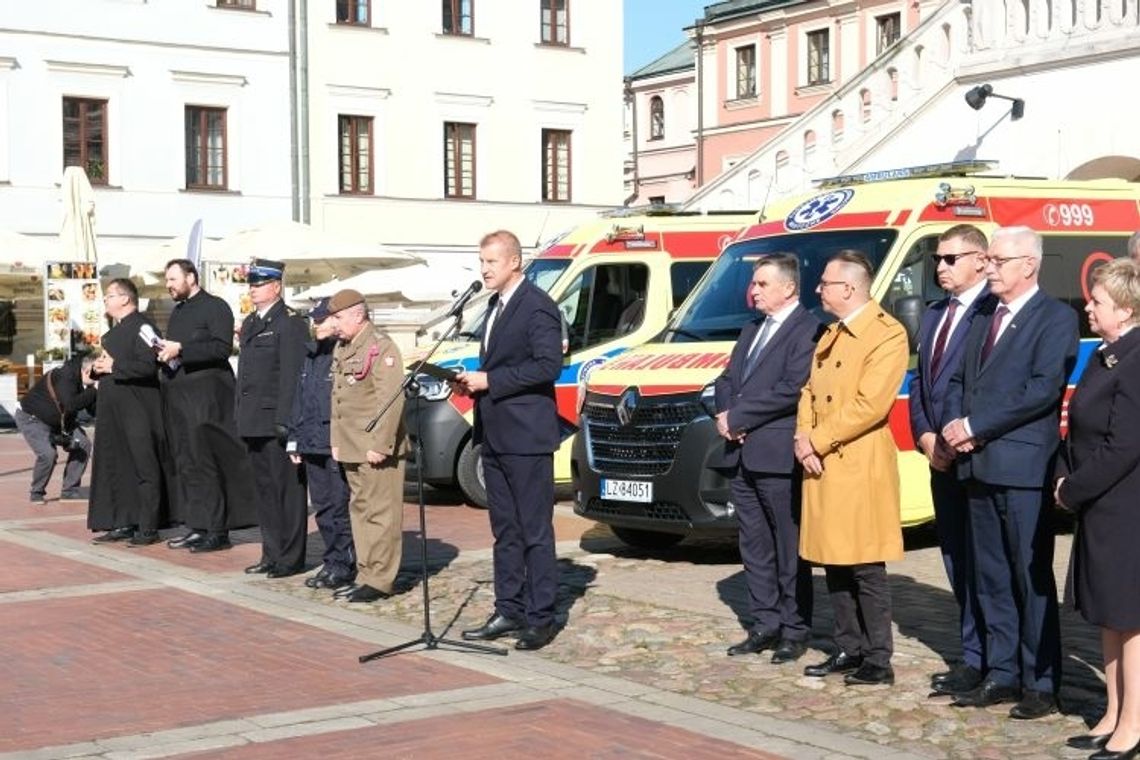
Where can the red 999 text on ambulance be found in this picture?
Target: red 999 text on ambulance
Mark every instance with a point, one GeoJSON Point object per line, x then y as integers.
{"type": "Point", "coordinates": [642, 463]}
{"type": "Point", "coordinates": [615, 279]}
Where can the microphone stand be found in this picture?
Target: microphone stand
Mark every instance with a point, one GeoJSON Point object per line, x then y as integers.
{"type": "Point", "coordinates": [410, 388]}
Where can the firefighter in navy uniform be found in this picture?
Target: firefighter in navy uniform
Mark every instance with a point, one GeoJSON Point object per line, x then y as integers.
{"type": "Point", "coordinates": [271, 350]}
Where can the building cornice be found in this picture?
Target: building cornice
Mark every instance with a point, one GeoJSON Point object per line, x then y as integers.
{"type": "Point", "coordinates": [356, 91]}
{"type": "Point", "coordinates": [94, 69]}
{"type": "Point", "coordinates": [555, 106]}
{"type": "Point", "coordinates": [7, 63]}
{"type": "Point", "coordinates": [463, 99]}
{"type": "Point", "coordinates": [207, 77]}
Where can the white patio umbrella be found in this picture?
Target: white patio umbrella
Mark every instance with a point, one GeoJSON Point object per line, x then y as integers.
{"type": "Point", "coordinates": [311, 256]}
{"type": "Point", "coordinates": [77, 233]}
{"type": "Point", "coordinates": [430, 282]}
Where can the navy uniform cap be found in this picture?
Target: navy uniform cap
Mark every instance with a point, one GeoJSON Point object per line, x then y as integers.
{"type": "Point", "coordinates": [264, 270]}
{"type": "Point", "coordinates": [320, 310]}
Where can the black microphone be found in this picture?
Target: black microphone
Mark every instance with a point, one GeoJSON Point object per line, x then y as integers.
{"type": "Point", "coordinates": [472, 289]}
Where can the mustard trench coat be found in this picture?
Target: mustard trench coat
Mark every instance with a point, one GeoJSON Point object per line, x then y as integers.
{"type": "Point", "coordinates": [851, 512]}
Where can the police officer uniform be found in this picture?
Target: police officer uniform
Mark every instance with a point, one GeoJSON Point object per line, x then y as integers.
{"type": "Point", "coordinates": [367, 373]}
{"type": "Point", "coordinates": [272, 348]}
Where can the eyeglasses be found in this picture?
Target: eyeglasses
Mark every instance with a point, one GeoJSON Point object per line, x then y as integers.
{"type": "Point", "coordinates": [950, 258]}
{"type": "Point", "coordinates": [999, 261]}
{"type": "Point", "coordinates": [825, 283]}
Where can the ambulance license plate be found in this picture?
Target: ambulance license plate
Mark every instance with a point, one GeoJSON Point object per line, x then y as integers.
{"type": "Point", "coordinates": [627, 490]}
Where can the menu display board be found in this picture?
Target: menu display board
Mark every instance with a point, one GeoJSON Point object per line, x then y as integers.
{"type": "Point", "coordinates": [73, 307]}
{"type": "Point", "coordinates": [228, 282]}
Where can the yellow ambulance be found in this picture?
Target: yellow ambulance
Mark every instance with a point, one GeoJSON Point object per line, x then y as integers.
{"type": "Point", "coordinates": [641, 464]}
{"type": "Point", "coordinates": [616, 280]}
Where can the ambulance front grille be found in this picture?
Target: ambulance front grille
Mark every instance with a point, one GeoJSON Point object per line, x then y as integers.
{"type": "Point", "coordinates": [644, 447]}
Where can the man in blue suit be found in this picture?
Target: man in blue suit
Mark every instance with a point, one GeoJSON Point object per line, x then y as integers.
{"type": "Point", "coordinates": [756, 400]}
{"type": "Point", "coordinates": [1004, 404]}
{"type": "Point", "coordinates": [516, 421]}
{"type": "Point", "coordinates": [960, 267]}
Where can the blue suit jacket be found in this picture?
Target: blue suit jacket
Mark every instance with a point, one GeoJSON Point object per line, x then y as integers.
{"type": "Point", "coordinates": [1013, 401]}
{"type": "Point", "coordinates": [518, 414]}
{"type": "Point", "coordinates": [763, 404]}
{"type": "Point", "coordinates": [927, 391]}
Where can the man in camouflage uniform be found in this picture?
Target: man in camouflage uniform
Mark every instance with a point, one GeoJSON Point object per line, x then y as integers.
{"type": "Point", "coordinates": [367, 371]}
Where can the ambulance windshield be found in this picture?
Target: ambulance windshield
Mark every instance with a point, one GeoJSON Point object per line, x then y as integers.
{"type": "Point", "coordinates": [720, 305]}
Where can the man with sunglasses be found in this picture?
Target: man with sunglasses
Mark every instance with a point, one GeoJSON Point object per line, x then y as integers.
{"type": "Point", "coordinates": [959, 265]}
{"type": "Point", "coordinates": [1003, 408]}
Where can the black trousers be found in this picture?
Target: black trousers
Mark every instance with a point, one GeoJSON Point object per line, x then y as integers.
{"type": "Point", "coordinates": [328, 493]}
{"type": "Point", "coordinates": [282, 509]}
{"type": "Point", "coordinates": [861, 600]}
{"type": "Point", "coordinates": [779, 582]}
{"type": "Point", "coordinates": [520, 495]}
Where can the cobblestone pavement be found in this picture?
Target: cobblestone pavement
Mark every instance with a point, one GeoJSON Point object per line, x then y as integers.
{"type": "Point", "coordinates": [127, 653]}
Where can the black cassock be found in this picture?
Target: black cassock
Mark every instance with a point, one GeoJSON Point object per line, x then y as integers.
{"type": "Point", "coordinates": [212, 478]}
{"type": "Point", "coordinates": [127, 484]}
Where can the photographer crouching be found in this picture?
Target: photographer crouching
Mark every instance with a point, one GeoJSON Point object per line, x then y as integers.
{"type": "Point", "coordinates": [46, 419]}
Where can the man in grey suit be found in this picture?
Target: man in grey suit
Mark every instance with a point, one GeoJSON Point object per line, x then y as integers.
{"type": "Point", "coordinates": [756, 399]}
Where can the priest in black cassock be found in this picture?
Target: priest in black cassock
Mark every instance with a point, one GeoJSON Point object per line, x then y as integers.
{"type": "Point", "coordinates": [126, 484]}
{"type": "Point", "coordinates": [212, 478]}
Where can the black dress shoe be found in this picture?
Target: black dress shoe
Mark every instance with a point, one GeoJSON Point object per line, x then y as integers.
{"type": "Point", "coordinates": [1033, 705]}
{"type": "Point", "coordinates": [186, 541]}
{"type": "Point", "coordinates": [284, 572]}
{"type": "Point", "coordinates": [788, 651]}
{"type": "Point", "coordinates": [961, 678]}
{"type": "Point", "coordinates": [315, 581]}
{"type": "Point", "coordinates": [497, 625]}
{"type": "Point", "coordinates": [344, 590]}
{"type": "Point", "coordinates": [870, 675]}
{"type": "Point", "coordinates": [840, 662]}
{"type": "Point", "coordinates": [111, 536]}
{"type": "Point", "coordinates": [211, 544]}
{"type": "Point", "coordinates": [144, 538]}
{"type": "Point", "coordinates": [536, 637]}
{"type": "Point", "coordinates": [987, 693]}
{"type": "Point", "coordinates": [261, 567]}
{"type": "Point", "coordinates": [364, 594]}
{"type": "Point", "coordinates": [1108, 754]}
{"type": "Point", "coordinates": [756, 642]}
{"type": "Point", "coordinates": [334, 581]}
{"type": "Point", "coordinates": [1088, 742]}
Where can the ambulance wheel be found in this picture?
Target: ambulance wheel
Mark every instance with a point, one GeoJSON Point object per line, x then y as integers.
{"type": "Point", "coordinates": [469, 473]}
{"type": "Point", "coordinates": [646, 539]}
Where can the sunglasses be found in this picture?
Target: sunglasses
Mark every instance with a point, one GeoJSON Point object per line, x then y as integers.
{"type": "Point", "coordinates": [950, 258]}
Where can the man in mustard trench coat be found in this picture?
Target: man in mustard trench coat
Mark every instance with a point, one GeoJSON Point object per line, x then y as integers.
{"type": "Point", "coordinates": [368, 371]}
{"type": "Point", "coordinates": [850, 522]}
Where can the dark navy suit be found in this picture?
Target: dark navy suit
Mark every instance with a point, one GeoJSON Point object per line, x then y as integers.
{"type": "Point", "coordinates": [951, 503]}
{"type": "Point", "coordinates": [1013, 403]}
{"type": "Point", "coordinates": [762, 404]}
{"type": "Point", "coordinates": [516, 421]}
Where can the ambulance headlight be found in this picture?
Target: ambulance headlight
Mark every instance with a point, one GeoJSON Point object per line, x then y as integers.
{"type": "Point", "coordinates": [432, 389]}
{"type": "Point", "coordinates": [708, 399]}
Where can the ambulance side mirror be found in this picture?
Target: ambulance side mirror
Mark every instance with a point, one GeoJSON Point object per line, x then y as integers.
{"type": "Point", "coordinates": [908, 311]}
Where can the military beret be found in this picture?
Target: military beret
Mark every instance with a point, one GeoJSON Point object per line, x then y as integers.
{"type": "Point", "coordinates": [343, 299]}
{"type": "Point", "coordinates": [264, 270]}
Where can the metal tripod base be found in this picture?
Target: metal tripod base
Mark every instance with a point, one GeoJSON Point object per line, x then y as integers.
{"type": "Point", "coordinates": [431, 641]}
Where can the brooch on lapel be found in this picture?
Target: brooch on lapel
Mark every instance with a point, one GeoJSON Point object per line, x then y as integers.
{"type": "Point", "coordinates": [1109, 360]}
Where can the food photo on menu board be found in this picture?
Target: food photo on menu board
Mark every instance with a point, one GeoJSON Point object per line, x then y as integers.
{"type": "Point", "coordinates": [73, 308]}
{"type": "Point", "coordinates": [228, 282]}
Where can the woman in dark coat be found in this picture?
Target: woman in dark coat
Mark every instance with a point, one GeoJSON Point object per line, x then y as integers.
{"type": "Point", "coordinates": [126, 484]}
{"type": "Point", "coordinates": [1099, 479]}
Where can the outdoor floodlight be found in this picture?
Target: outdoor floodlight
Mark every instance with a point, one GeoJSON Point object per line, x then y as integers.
{"type": "Point", "coordinates": [976, 98]}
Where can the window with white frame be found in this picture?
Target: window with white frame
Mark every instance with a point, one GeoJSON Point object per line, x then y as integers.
{"type": "Point", "coordinates": [458, 17]}
{"type": "Point", "coordinates": [459, 160]}
{"type": "Point", "coordinates": [355, 154]}
{"type": "Point", "coordinates": [819, 57]}
{"type": "Point", "coordinates": [746, 71]}
{"type": "Point", "coordinates": [888, 29]}
{"type": "Point", "coordinates": [656, 118]}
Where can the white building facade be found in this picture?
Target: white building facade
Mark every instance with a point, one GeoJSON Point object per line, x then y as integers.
{"type": "Point", "coordinates": [177, 110]}
{"type": "Point", "coordinates": [430, 124]}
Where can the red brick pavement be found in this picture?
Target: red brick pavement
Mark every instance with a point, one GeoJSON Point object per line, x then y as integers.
{"type": "Point", "coordinates": [558, 728]}
{"type": "Point", "coordinates": [127, 663]}
{"type": "Point", "coordinates": [28, 569]}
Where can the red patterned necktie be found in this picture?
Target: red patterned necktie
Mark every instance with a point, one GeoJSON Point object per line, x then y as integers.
{"type": "Point", "coordinates": [995, 327]}
{"type": "Point", "coordinates": [943, 336]}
